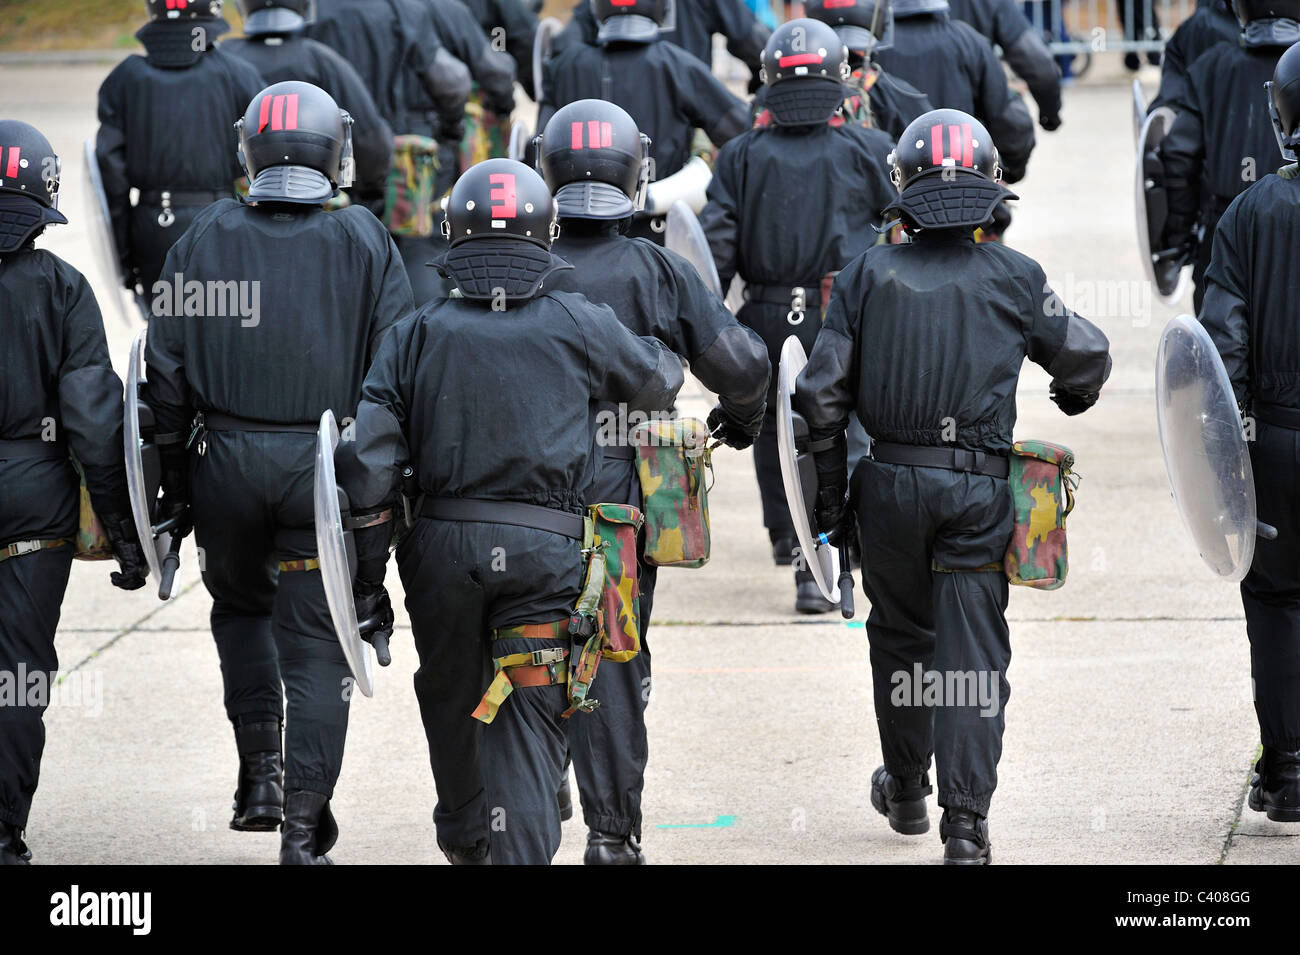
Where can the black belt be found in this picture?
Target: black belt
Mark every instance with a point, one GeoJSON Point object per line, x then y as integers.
{"type": "Point", "coordinates": [533, 516]}
{"type": "Point", "coordinates": [950, 459]}
{"type": "Point", "coordinates": [619, 452]}
{"type": "Point", "coordinates": [216, 421]}
{"type": "Point", "coordinates": [182, 197]}
{"type": "Point", "coordinates": [782, 294]}
{"type": "Point", "coordinates": [1278, 416]}
{"type": "Point", "coordinates": [33, 448]}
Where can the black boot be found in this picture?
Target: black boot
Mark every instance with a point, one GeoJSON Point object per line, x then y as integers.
{"type": "Point", "coordinates": [13, 851]}
{"type": "Point", "coordinates": [965, 836]}
{"type": "Point", "coordinates": [1275, 789]}
{"type": "Point", "coordinates": [605, 848]}
{"type": "Point", "coordinates": [902, 801]}
{"type": "Point", "coordinates": [309, 829]}
{"type": "Point", "coordinates": [478, 854]}
{"type": "Point", "coordinates": [260, 795]}
{"type": "Point", "coordinates": [783, 551]}
{"type": "Point", "coordinates": [565, 798]}
{"type": "Point", "coordinates": [808, 597]}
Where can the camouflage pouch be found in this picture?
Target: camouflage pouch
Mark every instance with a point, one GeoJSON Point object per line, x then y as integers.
{"type": "Point", "coordinates": [409, 200]}
{"type": "Point", "coordinates": [1042, 491]}
{"type": "Point", "coordinates": [673, 463]}
{"type": "Point", "coordinates": [92, 543]}
{"type": "Point", "coordinates": [487, 135]}
{"type": "Point", "coordinates": [615, 528]}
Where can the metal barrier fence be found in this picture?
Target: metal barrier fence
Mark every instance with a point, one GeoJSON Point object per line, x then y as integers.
{"type": "Point", "coordinates": [1107, 26]}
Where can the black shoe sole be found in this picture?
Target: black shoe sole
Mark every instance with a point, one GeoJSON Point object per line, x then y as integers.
{"type": "Point", "coordinates": [259, 819]}
{"type": "Point", "coordinates": [986, 860]}
{"type": "Point", "coordinates": [811, 607]}
{"type": "Point", "coordinates": [905, 827]}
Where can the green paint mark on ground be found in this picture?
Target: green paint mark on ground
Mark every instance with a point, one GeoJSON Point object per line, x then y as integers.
{"type": "Point", "coordinates": [721, 822]}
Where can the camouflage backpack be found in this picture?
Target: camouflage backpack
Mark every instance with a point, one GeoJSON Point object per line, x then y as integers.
{"type": "Point", "coordinates": [673, 463]}
{"type": "Point", "coordinates": [1042, 491]}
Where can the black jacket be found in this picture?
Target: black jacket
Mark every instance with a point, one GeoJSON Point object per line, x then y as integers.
{"type": "Point", "coordinates": [956, 67]}
{"type": "Point", "coordinates": [1251, 292]}
{"type": "Point", "coordinates": [278, 59]}
{"type": "Point", "coordinates": [657, 293]}
{"type": "Point", "coordinates": [1004, 23]}
{"type": "Point", "coordinates": [1210, 24]}
{"type": "Point", "coordinates": [667, 91]}
{"type": "Point", "coordinates": [924, 342]}
{"type": "Point", "coordinates": [518, 27]}
{"type": "Point", "coordinates": [493, 70]}
{"type": "Point", "coordinates": [788, 205]}
{"type": "Point", "coordinates": [500, 405]}
{"type": "Point", "coordinates": [326, 285]}
{"type": "Point", "coordinates": [56, 382]}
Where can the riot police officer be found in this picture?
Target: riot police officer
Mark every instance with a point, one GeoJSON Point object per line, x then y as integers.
{"type": "Point", "coordinates": [61, 404]}
{"type": "Point", "coordinates": [273, 43]}
{"type": "Point", "coordinates": [1222, 139]}
{"type": "Point", "coordinates": [491, 397]}
{"type": "Point", "coordinates": [667, 92]}
{"type": "Point", "coordinates": [234, 385]}
{"type": "Point", "coordinates": [1003, 22]}
{"type": "Point", "coordinates": [790, 205]}
{"type": "Point", "coordinates": [956, 68]}
{"type": "Point", "coordinates": [1250, 293]}
{"type": "Point", "coordinates": [923, 342]}
{"type": "Point", "coordinates": [166, 130]}
{"type": "Point", "coordinates": [598, 183]}
{"type": "Point", "coordinates": [1212, 22]}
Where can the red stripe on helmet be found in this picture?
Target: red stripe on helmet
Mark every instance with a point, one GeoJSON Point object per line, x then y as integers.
{"type": "Point", "coordinates": [12, 170]}
{"type": "Point", "coordinates": [936, 145]}
{"type": "Point", "coordinates": [968, 146]}
{"type": "Point", "coordinates": [799, 59]}
{"type": "Point", "coordinates": [606, 135]}
{"type": "Point", "coordinates": [264, 113]}
{"type": "Point", "coordinates": [291, 111]}
{"type": "Point", "coordinates": [277, 113]}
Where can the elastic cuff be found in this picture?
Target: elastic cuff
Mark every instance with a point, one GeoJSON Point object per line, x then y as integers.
{"type": "Point", "coordinates": [613, 825]}
{"type": "Point", "coordinates": [908, 770]}
{"type": "Point", "coordinates": [978, 803]}
{"type": "Point", "coordinates": [11, 818]}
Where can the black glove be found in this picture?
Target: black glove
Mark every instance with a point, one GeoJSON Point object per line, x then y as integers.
{"type": "Point", "coordinates": [126, 547]}
{"type": "Point", "coordinates": [374, 618]}
{"type": "Point", "coordinates": [1049, 121]}
{"type": "Point", "coordinates": [833, 517]}
{"type": "Point", "coordinates": [174, 507]}
{"type": "Point", "coordinates": [732, 433]}
{"type": "Point", "coordinates": [1073, 404]}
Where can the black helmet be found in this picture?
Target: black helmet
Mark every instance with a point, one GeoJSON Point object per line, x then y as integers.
{"type": "Point", "coordinates": [916, 8]}
{"type": "Point", "coordinates": [864, 25]}
{"type": "Point", "coordinates": [183, 9]}
{"type": "Point", "coordinates": [295, 145]}
{"type": "Point", "coordinates": [631, 21]}
{"type": "Point", "coordinates": [1248, 11]}
{"type": "Point", "coordinates": [501, 221]}
{"type": "Point", "coordinates": [275, 17]}
{"type": "Point", "coordinates": [595, 160]}
{"type": "Point", "coordinates": [946, 170]}
{"type": "Point", "coordinates": [805, 66]}
{"type": "Point", "coordinates": [1284, 102]}
{"type": "Point", "coordinates": [29, 184]}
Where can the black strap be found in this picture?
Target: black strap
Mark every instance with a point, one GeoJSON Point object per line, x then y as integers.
{"type": "Point", "coordinates": [1278, 416]}
{"type": "Point", "coordinates": [32, 448]}
{"type": "Point", "coordinates": [950, 459]}
{"type": "Point", "coordinates": [619, 452]}
{"type": "Point", "coordinates": [782, 294]}
{"type": "Point", "coordinates": [182, 197]}
{"type": "Point", "coordinates": [505, 512]}
{"type": "Point", "coordinates": [216, 421]}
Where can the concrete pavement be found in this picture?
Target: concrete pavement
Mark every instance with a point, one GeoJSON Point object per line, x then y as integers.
{"type": "Point", "coordinates": [1130, 728]}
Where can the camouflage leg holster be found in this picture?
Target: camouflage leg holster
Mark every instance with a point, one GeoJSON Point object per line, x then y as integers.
{"type": "Point", "coordinates": [584, 632]}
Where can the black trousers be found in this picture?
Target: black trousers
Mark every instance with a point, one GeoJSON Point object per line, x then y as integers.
{"type": "Point", "coordinates": [609, 745]}
{"type": "Point", "coordinates": [495, 781]}
{"type": "Point", "coordinates": [252, 509]}
{"type": "Point", "coordinates": [940, 646]}
{"type": "Point", "coordinates": [31, 596]}
{"type": "Point", "coordinates": [1270, 594]}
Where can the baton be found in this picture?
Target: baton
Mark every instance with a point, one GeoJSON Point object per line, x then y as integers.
{"type": "Point", "coordinates": [846, 584]}
{"type": "Point", "coordinates": [1266, 531]}
{"type": "Point", "coordinates": [169, 567]}
{"type": "Point", "coordinates": [380, 643]}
